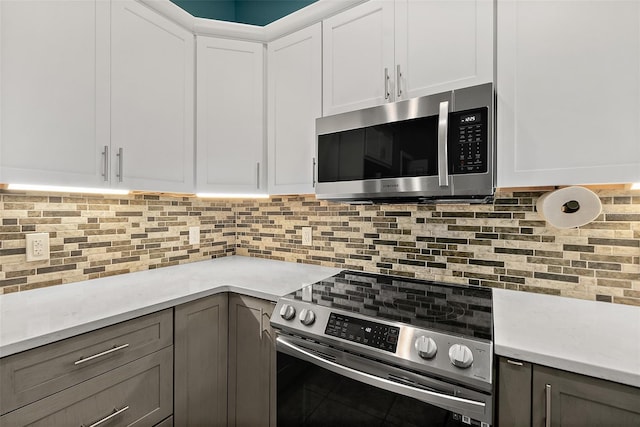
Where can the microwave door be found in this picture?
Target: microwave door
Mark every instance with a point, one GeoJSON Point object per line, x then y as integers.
{"type": "Point", "coordinates": [386, 152]}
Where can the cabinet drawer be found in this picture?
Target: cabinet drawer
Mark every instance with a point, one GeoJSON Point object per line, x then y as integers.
{"type": "Point", "coordinates": [139, 393]}
{"type": "Point", "coordinates": [43, 371]}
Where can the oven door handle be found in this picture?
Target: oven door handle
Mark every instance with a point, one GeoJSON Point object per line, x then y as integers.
{"type": "Point", "coordinates": [454, 403]}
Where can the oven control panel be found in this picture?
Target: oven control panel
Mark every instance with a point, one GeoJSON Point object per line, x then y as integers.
{"type": "Point", "coordinates": [465, 360]}
{"type": "Point", "coordinates": [383, 337]}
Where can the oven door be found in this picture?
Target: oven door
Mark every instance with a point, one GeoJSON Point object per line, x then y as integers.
{"type": "Point", "coordinates": [320, 385]}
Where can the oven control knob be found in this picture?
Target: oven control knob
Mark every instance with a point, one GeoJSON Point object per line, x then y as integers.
{"type": "Point", "coordinates": [426, 347]}
{"type": "Point", "coordinates": [460, 355]}
{"type": "Point", "coordinates": [307, 317]}
{"type": "Point", "coordinates": [287, 312]}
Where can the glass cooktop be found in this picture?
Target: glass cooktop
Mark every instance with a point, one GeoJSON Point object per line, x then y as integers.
{"type": "Point", "coordinates": [457, 309]}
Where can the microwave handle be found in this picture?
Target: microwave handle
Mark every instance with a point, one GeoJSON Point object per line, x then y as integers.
{"type": "Point", "coordinates": [443, 159]}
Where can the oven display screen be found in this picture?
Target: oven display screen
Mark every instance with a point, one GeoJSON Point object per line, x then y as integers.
{"type": "Point", "coordinates": [361, 331]}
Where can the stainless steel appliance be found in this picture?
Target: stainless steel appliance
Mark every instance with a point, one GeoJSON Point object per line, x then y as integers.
{"type": "Point", "coordinates": [437, 147]}
{"type": "Point", "coordinates": [367, 349]}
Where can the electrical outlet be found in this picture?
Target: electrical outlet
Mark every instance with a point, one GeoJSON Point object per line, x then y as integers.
{"type": "Point", "coordinates": [194, 235]}
{"type": "Point", "coordinates": [37, 246]}
{"type": "Point", "coordinates": [307, 237]}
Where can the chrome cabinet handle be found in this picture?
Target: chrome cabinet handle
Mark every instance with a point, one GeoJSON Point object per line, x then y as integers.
{"type": "Point", "coordinates": [398, 80]}
{"type": "Point", "coordinates": [104, 353]}
{"type": "Point", "coordinates": [105, 163]}
{"type": "Point", "coordinates": [264, 329]}
{"type": "Point", "coordinates": [387, 94]}
{"type": "Point", "coordinates": [115, 413]}
{"type": "Point", "coordinates": [120, 161]}
{"type": "Point", "coordinates": [313, 172]}
{"type": "Point", "coordinates": [258, 175]}
{"type": "Point", "coordinates": [261, 323]}
{"type": "Point", "coordinates": [443, 159]}
{"type": "Point", "coordinates": [547, 406]}
{"type": "Point", "coordinates": [513, 362]}
{"type": "Point", "coordinates": [428, 396]}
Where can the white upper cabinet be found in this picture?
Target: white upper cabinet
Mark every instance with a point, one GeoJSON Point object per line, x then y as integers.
{"type": "Point", "coordinates": [358, 58]}
{"type": "Point", "coordinates": [386, 50]}
{"type": "Point", "coordinates": [54, 91]}
{"type": "Point", "coordinates": [152, 100]}
{"type": "Point", "coordinates": [442, 45]}
{"type": "Point", "coordinates": [230, 117]}
{"type": "Point", "coordinates": [95, 94]}
{"type": "Point", "coordinates": [568, 86]}
{"type": "Point", "coordinates": [294, 102]}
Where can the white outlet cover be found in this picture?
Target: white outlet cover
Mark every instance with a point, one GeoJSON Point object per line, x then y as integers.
{"type": "Point", "coordinates": [307, 236]}
{"type": "Point", "coordinates": [37, 246]}
{"type": "Point", "coordinates": [194, 235]}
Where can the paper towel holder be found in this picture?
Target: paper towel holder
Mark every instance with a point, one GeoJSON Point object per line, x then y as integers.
{"type": "Point", "coordinates": [569, 207]}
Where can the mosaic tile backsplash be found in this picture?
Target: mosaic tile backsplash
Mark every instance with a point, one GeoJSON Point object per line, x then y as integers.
{"type": "Point", "coordinates": [95, 236]}
{"type": "Point", "coordinates": [505, 244]}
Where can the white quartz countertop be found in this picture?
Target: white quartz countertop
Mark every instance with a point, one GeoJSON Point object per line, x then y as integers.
{"type": "Point", "coordinates": [36, 317]}
{"type": "Point", "coordinates": [587, 337]}
{"type": "Point", "coordinates": [591, 338]}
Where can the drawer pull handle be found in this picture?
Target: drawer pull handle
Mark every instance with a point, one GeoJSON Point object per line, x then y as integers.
{"type": "Point", "coordinates": [547, 406]}
{"type": "Point", "coordinates": [104, 353]}
{"type": "Point", "coordinates": [115, 413]}
{"type": "Point", "coordinates": [513, 362]}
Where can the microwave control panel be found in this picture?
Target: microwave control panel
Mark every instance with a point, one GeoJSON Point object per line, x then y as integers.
{"type": "Point", "coordinates": [468, 142]}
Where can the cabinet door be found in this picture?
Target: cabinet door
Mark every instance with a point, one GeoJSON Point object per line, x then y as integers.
{"type": "Point", "coordinates": [568, 92]}
{"type": "Point", "coordinates": [54, 91]}
{"type": "Point", "coordinates": [230, 129]}
{"type": "Point", "coordinates": [295, 101]}
{"type": "Point", "coordinates": [514, 393]}
{"type": "Point", "coordinates": [442, 45]}
{"type": "Point", "coordinates": [577, 400]}
{"type": "Point", "coordinates": [152, 90]}
{"type": "Point", "coordinates": [201, 362]}
{"type": "Point", "coordinates": [358, 57]}
{"type": "Point", "coordinates": [252, 357]}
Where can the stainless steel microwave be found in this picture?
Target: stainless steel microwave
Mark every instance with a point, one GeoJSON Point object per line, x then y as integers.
{"type": "Point", "coordinates": [438, 147]}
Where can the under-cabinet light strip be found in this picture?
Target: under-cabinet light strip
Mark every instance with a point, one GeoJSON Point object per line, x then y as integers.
{"type": "Point", "coordinates": [231, 196]}
{"type": "Point", "coordinates": [635, 186]}
{"type": "Point", "coordinates": [62, 189]}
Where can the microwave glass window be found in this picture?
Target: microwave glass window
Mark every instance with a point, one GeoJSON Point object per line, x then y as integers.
{"type": "Point", "coordinates": [401, 149]}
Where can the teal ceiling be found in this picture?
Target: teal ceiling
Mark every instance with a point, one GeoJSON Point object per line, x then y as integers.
{"type": "Point", "coordinates": [254, 12]}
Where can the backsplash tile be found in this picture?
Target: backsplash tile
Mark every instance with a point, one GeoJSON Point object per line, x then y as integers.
{"type": "Point", "coordinates": [96, 236]}
{"type": "Point", "coordinates": [505, 244]}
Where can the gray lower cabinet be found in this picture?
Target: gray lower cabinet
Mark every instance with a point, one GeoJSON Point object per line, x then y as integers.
{"type": "Point", "coordinates": [541, 396]}
{"type": "Point", "coordinates": [41, 372]}
{"type": "Point", "coordinates": [139, 393]}
{"type": "Point", "coordinates": [201, 362]}
{"type": "Point", "coordinates": [252, 362]}
{"type": "Point", "coordinates": [214, 365]}
{"type": "Point", "coordinates": [167, 422]}
{"type": "Point", "coordinates": [581, 401]}
{"type": "Point", "coordinates": [514, 393]}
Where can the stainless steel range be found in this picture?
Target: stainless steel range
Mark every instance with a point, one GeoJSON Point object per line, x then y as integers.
{"type": "Point", "coordinates": [423, 349]}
